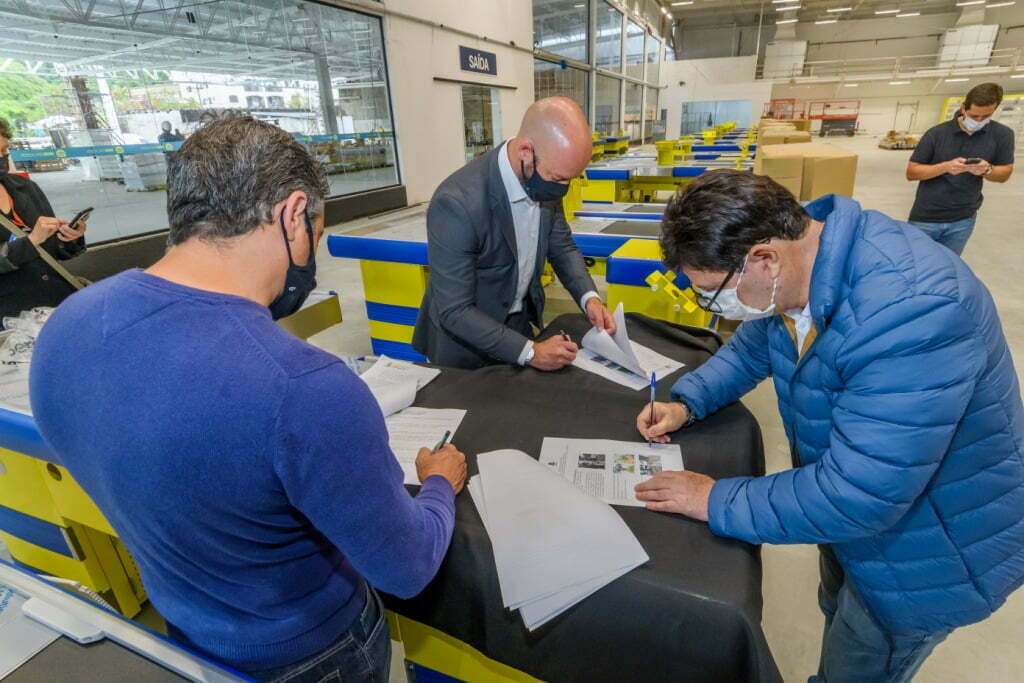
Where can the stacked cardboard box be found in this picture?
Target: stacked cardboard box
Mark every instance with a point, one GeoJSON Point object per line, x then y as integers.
{"type": "Point", "coordinates": [808, 170]}
{"type": "Point", "coordinates": [799, 124]}
{"type": "Point", "coordinates": [781, 135]}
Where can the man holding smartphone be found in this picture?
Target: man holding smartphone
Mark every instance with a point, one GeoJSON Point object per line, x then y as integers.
{"type": "Point", "coordinates": [952, 161]}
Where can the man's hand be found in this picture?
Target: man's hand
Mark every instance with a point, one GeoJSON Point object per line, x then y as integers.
{"type": "Point", "coordinates": [45, 227]}
{"type": "Point", "coordinates": [599, 315]}
{"type": "Point", "coordinates": [668, 417]}
{"type": "Point", "coordinates": [957, 166]}
{"type": "Point", "coordinates": [449, 462]}
{"type": "Point", "coordinates": [978, 169]}
{"type": "Point", "coordinates": [685, 493]}
{"type": "Point", "coordinates": [70, 233]}
{"type": "Point", "coordinates": [553, 353]}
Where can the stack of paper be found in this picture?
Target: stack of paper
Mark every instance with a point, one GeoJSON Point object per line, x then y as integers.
{"type": "Point", "coordinates": [394, 383]}
{"type": "Point", "coordinates": [616, 358]}
{"type": "Point", "coordinates": [609, 469]}
{"type": "Point", "coordinates": [553, 545]}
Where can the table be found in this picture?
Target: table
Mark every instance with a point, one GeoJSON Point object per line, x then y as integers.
{"type": "Point", "coordinates": [692, 613]}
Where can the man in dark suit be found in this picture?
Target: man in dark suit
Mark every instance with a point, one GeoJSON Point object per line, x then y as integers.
{"type": "Point", "coordinates": [491, 226]}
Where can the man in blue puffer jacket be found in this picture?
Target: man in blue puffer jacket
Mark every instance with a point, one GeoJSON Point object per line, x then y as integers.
{"type": "Point", "coordinates": [899, 399]}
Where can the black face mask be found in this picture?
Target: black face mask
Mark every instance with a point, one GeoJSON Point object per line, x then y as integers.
{"type": "Point", "coordinates": [300, 280]}
{"type": "Point", "coordinates": [538, 189]}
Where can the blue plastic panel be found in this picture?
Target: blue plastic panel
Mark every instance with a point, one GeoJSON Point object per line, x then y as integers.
{"type": "Point", "coordinates": [389, 313]}
{"type": "Point", "coordinates": [401, 350]}
{"type": "Point", "coordinates": [19, 433]}
{"type": "Point", "coordinates": [371, 249]}
{"type": "Point", "coordinates": [634, 272]}
{"type": "Point", "coordinates": [34, 531]}
{"type": "Point", "coordinates": [607, 174]}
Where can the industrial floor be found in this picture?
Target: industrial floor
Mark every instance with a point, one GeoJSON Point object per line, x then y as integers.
{"type": "Point", "coordinates": [989, 651]}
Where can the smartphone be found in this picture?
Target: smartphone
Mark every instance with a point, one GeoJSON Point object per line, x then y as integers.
{"type": "Point", "coordinates": [972, 161]}
{"type": "Point", "coordinates": [84, 213]}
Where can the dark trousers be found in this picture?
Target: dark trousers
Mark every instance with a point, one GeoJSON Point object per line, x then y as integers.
{"type": "Point", "coordinates": [361, 654]}
{"type": "Point", "coordinates": [854, 646]}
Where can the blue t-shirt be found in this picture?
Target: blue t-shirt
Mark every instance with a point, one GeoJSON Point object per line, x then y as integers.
{"type": "Point", "coordinates": [247, 471]}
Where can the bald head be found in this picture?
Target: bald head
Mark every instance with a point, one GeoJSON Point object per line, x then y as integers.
{"type": "Point", "coordinates": [556, 133]}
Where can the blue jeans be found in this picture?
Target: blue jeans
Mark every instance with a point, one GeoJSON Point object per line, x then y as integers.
{"type": "Point", "coordinates": [854, 647]}
{"type": "Point", "coordinates": [953, 235]}
{"type": "Point", "coordinates": [361, 654]}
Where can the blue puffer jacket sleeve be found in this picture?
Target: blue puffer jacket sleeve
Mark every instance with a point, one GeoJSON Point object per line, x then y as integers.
{"type": "Point", "coordinates": [892, 423]}
{"type": "Point", "coordinates": [737, 368]}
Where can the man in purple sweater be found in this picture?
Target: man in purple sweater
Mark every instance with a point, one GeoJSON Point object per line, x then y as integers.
{"type": "Point", "coordinates": [248, 472]}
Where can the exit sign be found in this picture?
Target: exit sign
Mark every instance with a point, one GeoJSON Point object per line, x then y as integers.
{"type": "Point", "coordinates": [478, 61]}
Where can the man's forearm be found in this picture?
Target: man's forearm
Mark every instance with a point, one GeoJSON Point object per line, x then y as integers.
{"type": "Point", "coordinates": [1000, 174]}
{"type": "Point", "coordinates": [925, 171]}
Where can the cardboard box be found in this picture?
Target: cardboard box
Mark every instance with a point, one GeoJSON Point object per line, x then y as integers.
{"type": "Point", "coordinates": [798, 124]}
{"type": "Point", "coordinates": [824, 168]}
{"type": "Point", "coordinates": [779, 135]}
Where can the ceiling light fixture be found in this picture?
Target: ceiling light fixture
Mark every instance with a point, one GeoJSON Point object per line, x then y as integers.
{"type": "Point", "coordinates": [956, 80]}
{"type": "Point", "coordinates": [970, 2]}
{"type": "Point", "coordinates": [787, 9]}
{"type": "Point", "coordinates": [887, 11]}
{"type": "Point", "coordinates": [1001, 4]}
{"type": "Point", "coordinates": [826, 21]}
{"type": "Point", "coordinates": [685, 2]}
{"type": "Point", "coordinates": [899, 82]}
{"type": "Point", "coordinates": [908, 14]}
{"type": "Point", "coordinates": [1017, 76]}
{"type": "Point", "coordinates": [839, 9]}
{"type": "Point", "coordinates": [851, 85]}
{"type": "Point", "coordinates": [786, 21]}
{"type": "Point", "coordinates": [778, 2]}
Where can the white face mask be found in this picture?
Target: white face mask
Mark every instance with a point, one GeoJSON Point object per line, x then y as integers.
{"type": "Point", "coordinates": [732, 308]}
{"type": "Point", "coordinates": [973, 126]}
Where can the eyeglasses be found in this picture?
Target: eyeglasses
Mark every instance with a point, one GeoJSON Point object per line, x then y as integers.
{"type": "Point", "coordinates": [710, 304]}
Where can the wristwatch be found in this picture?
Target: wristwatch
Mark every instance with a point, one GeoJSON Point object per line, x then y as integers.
{"type": "Point", "coordinates": [529, 356]}
{"type": "Point", "coordinates": [690, 417]}
{"type": "Point", "coordinates": [988, 170]}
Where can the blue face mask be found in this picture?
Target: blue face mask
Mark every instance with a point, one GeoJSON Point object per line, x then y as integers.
{"type": "Point", "coordinates": [538, 189]}
{"type": "Point", "coordinates": [300, 280]}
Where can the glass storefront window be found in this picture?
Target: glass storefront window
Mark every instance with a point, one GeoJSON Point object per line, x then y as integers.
{"type": "Point", "coordinates": [93, 130]}
{"type": "Point", "coordinates": [551, 79]}
{"type": "Point", "coordinates": [654, 123]}
{"type": "Point", "coordinates": [606, 105]}
{"type": "Point", "coordinates": [609, 37]}
{"type": "Point", "coordinates": [653, 66]}
{"type": "Point", "coordinates": [631, 117]}
{"type": "Point", "coordinates": [560, 27]}
{"type": "Point", "coordinates": [634, 50]}
{"type": "Point", "coordinates": [481, 118]}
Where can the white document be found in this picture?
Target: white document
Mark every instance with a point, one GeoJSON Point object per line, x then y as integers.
{"type": "Point", "coordinates": [394, 383]}
{"type": "Point", "coordinates": [609, 469]}
{"type": "Point", "coordinates": [414, 428]}
{"type": "Point", "coordinates": [616, 358]}
{"type": "Point", "coordinates": [20, 637]}
{"type": "Point", "coordinates": [553, 545]}
{"type": "Point", "coordinates": [14, 388]}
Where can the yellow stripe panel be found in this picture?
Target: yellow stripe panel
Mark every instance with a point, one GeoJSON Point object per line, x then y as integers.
{"type": "Point", "coordinates": [398, 284]}
{"type": "Point", "coordinates": [391, 331]}
{"type": "Point", "coordinates": [435, 650]}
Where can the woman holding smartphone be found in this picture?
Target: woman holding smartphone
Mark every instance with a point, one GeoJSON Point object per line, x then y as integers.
{"type": "Point", "coordinates": [26, 280]}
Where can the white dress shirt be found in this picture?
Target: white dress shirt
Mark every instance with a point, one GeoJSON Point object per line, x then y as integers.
{"type": "Point", "coordinates": [802, 322]}
{"type": "Point", "coordinates": [526, 219]}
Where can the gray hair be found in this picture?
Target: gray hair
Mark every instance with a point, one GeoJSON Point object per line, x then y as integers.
{"type": "Point", "coordinates": [226, 178]}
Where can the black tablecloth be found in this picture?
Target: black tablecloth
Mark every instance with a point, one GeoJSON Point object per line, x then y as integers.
{"type": "Point", "coordinates": [693, 613]}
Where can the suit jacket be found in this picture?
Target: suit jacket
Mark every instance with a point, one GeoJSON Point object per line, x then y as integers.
{"type": "Point", "coordinates": [471, 244]}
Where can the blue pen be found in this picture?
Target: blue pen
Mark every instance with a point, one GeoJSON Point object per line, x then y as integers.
{"type": "Point", "coordinates": [654, 384]}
